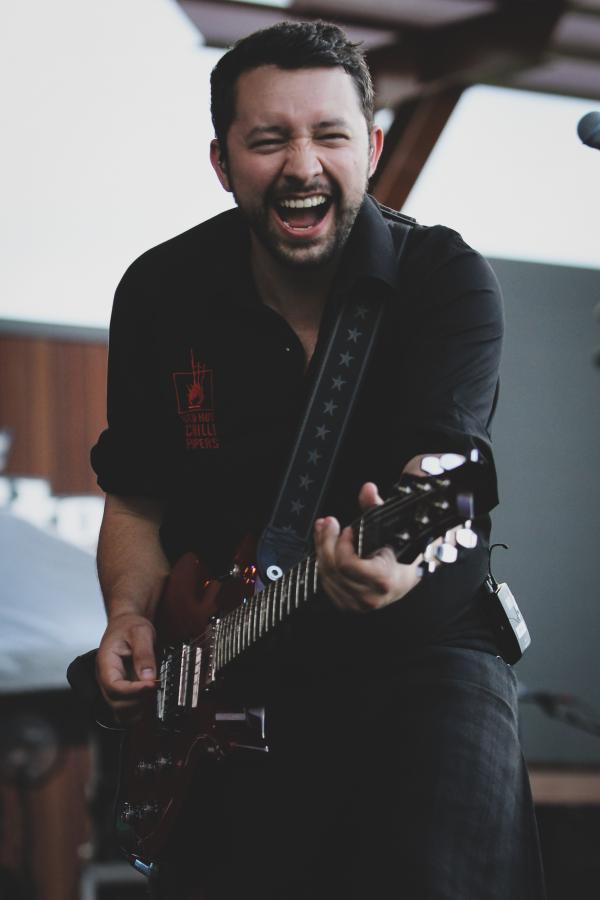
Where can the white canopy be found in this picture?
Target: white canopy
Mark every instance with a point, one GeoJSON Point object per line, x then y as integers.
{"type": "Point", "coordinates": [50, 606]}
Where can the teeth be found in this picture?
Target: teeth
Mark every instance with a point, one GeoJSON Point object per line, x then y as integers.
{"type": "Point", "coordinates": [304, 204]}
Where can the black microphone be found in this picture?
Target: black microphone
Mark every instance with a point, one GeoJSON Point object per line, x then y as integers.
{"type": "Point", "coordinates": [588, 130]}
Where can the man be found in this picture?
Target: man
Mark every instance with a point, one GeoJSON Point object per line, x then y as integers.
{"type": "Point", "coordinates": [395, 768]}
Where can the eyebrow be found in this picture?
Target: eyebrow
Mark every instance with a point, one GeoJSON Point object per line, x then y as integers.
{"type": "Point", "coordinates": [259, 130]}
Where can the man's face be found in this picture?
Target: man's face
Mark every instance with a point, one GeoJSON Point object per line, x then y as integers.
{"type": "Point", "coordinates": [298, 160]}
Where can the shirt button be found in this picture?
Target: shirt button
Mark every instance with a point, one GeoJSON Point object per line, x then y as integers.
{"type": "Point", "coordinates": [287, 349]}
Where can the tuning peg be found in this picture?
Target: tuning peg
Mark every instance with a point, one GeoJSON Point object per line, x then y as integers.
{"type": "Point", "coordinates": [451, 461]}
{"type": "Point", "coordinates": [465, 505]}
{"type": "Point", "coordinates": [466, 537]}
{"type": "Point", "coordinates": [446, 553]}
{"type": "Point", "coordinates": [432, 465]}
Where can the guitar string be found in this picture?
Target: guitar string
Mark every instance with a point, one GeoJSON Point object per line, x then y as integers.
{"type": "Point", "coordinates": [383, 514]}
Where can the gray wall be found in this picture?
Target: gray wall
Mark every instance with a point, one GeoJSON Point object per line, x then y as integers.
{"type": "Point", "coordinates": [547, 443]}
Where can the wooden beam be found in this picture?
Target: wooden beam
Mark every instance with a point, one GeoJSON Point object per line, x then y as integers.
{"type": "Point", "coordinates": [475, 50]}
{"type": "Point", "coordinates": [411, 138]}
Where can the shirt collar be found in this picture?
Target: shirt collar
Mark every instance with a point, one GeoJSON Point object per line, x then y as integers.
{"type": "Point", "coordinates": [369, 254]}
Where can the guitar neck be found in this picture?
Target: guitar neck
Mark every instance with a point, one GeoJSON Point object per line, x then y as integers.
{"type": "Point", "coordinates": [419, 511]}
{"type": "Point", "coordinates": [259, 614]}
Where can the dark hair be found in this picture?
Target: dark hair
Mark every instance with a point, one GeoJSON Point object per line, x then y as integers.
{"type": "Point", "coordinates": [288, 45]}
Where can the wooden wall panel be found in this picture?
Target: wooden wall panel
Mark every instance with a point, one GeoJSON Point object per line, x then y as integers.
{"type": "Point", "coordinates": [58, 826]}
{"type": "Point", "coordinates": [52, 396]}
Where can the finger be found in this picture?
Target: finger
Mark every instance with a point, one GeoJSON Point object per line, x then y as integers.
{"type": "Point", "coordinates": [142, 652]}
{"type": "Point", "coordinates": [327, 531]}
{"type": "Point", "coordinates": [353, 570]}
{"type": "Point", "coordinates": [369, 496]}
{"type": "Point", "coordinates": [413, 466]}
{"type": "Point", "coordinates": [113, 676]}
{"type": "Point", "coordinates": [339, 588]}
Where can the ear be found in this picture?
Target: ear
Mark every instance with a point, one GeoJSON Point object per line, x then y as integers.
{"type": "Point", "coordinates": [376, 146]}
{"type": "Point", "coordinates": [218, 164]}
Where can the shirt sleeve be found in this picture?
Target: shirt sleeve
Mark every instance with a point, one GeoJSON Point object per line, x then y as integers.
{"type": "Point", "coordinates": [452, 361]}
{"type": "Point", "coordinates": [129, 458]}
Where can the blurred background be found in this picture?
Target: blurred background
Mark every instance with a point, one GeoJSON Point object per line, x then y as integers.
{"type": "Point", "coordinates": [104, 153]}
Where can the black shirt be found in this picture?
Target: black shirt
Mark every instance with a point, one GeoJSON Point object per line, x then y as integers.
{"type": "Point", "coordinates": [207, 385]}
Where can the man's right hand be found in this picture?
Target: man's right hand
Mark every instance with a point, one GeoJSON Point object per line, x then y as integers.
{"type": "Point", "coordinates": [126, 664]}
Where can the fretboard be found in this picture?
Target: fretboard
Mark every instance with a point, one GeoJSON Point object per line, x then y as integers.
{"type": "Point", "coordinates": [417, 513]}
{"type": "Point", "coordinates": [259, 614]}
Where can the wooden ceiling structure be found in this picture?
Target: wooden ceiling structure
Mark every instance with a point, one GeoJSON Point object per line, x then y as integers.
{"type": "Point", "coordinates": [424, 53]}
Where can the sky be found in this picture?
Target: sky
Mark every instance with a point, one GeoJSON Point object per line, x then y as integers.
{"type": "Point", "coordinates": [106, 155]}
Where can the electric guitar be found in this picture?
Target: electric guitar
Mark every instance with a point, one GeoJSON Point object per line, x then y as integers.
{"type": "Point", "coordinates": [205, 623]}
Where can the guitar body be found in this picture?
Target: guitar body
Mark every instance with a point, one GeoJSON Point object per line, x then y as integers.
{"type": "Point", "coordinates": [200, 718]}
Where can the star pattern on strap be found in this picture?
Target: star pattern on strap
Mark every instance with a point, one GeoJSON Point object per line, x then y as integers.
{"type": "Point", "coordinates": [314, 456]}
{"type": "Point", "coordinates": [337, 383]}
{"type": "Point", "coordinates": [354, 334]}
{"type": "Point", "coordinates": [297, 505]}
{"type": "Point", "coordinates": [305, 481]}
{"type": "Point", "coordinates": [345, 359]}
{"type": "Point", "coordinates": [329, 407]}
{"type": "Point", "coordinates": [322, 432]}
{"type": "Point", "coordinates": [361, 312]}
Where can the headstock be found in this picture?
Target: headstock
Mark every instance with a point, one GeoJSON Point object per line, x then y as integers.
{"type": "Point", "coordinates": [423, 509]}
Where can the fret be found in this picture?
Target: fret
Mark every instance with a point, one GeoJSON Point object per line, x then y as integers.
{"type": "Point", "coordinates": [259, 606]}
{"type": "Point", "coordinates": [228, 637]}
{"type": "Point", "coordinates": [315, 574]}
{"type": "Point", "coordinates": [272, 592]}
{"type": "Point", "coordinates": [264, 610]}
{"type": "Point", "coordinates": [290, 589]}
{"type": "Point", "coordinates": [240, 629]}
{"type": "Point", "coordinates": [252, 624]}
{"type": "Point", "coordinates": [245, 625]}
{"type": "Point", "coordinates": [233, 624]}
{"type": "Point", "coordinates": [280, 599]}
{"type": "Point", "coordinates": [267, 607]}
{"type": "Point", "coordinates": [241, 618]}
{"type": "Point", "coordinates": [253, 619]}
{"type": "Point", "coordinates": [258, 601]}
{"type": "Point", "coordinates": [223, 639]}
{"type": "Point", "coordinates": [275, 603]}
{"type": "Point", "coordinates": [306, 578]}
{"type": "Point", "coordinates": [236, 631]}
{"type": "Point", "coordinates": [299, 584]}
{"type": "Point", "coordinates": [252, 630]}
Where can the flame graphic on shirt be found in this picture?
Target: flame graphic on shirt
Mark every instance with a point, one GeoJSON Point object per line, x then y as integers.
{"type": "Point", "coordinates": [195, 390]}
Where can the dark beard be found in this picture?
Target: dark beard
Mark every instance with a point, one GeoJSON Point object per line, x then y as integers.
{"type": "Point", "coordinates": [299, 258]}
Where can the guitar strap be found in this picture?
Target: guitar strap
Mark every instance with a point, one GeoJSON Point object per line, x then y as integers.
{"type": "Point", "coordinates": [288, 535]}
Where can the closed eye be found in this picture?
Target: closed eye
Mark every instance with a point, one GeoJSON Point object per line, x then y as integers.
{"type": "Point", "coordinates": [267, 142]}
{"type": "Point", "coordinates": [333, 136]}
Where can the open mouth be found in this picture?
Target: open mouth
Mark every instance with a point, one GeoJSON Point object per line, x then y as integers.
{"type": "Point", "coordinates": [303, 215]}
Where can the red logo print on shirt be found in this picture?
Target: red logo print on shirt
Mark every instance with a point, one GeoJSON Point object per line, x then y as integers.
{"type": "Point", "coordinates": [194, 392]}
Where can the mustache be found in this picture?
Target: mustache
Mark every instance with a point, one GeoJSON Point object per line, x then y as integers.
{"type": "Point", "coordinates": [300, 187]}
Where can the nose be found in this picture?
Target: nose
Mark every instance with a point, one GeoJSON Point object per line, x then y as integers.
{"type": "Point", "coordinates": [302, 162]}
